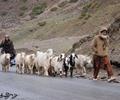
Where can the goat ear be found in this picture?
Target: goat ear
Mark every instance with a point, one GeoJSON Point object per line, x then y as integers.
{"type": "Point", "coordinates": [70, 56]}
{"type": "Point", "coordinates": [76, 56]}
{"type": "Point", "coordinates": [60, 56]}
{"type": "Point", "coordinates": [5, 57]}
{"type": "Point", "coordinates": [58, 59]}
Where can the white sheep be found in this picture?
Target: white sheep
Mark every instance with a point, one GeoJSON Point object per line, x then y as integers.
{"type": "Point", "coordinates": [5, 62]}
{"type": "Point", "coordinates": [29, 63]}
{"type": "Point", "coordinates": [20, 62]}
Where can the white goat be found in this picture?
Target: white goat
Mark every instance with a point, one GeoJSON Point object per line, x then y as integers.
{"type": "Point", "coordinates": [5, 62]}
{"type": "Point", "coordinates": [43, 60]}
{"type": "Point", "coordinates": [29, 63]}
{"type": "Point", "coordinates": [20, 62]}
{"type": "Point", "coordinates": [57, 63]}
{"type": "Point", "coordinates": [83, 62]}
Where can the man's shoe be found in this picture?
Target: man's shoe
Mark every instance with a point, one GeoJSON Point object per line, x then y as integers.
{"type": "Point", "coordinates": [94, 79]}
{"type": "Point", "coordinates": [111, 79]}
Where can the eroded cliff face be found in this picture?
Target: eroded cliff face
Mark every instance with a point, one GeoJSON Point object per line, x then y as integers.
{"type": "Point", "coordinates": [114, 33]}
{"type": "Point", "coordinates": [83, 45]}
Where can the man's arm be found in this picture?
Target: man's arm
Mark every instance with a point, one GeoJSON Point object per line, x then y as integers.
{"type": "Point", "coordinates": [94, 45]}
{"type": "Point", "coordinates": [1, 44]}
{"type": "Point", "coordinates": [12, 47]}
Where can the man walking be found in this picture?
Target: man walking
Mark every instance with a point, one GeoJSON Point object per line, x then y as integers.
{"type": "Point", "coordinates": [100, 46]}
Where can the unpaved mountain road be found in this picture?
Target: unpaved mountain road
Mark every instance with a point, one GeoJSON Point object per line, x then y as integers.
{"type": "Point", "coordinates": [32, 87]}
{"type": "Point", "coordinates": [59, 45]}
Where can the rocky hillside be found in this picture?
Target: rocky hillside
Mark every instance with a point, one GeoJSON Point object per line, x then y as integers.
{"type": "Point", "coordinates": [67, 18]}
{"type": "Point", "coordinates": [12, 11]}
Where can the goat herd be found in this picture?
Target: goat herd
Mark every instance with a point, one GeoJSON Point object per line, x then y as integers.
{"type": "Point", "coordinates": [46, 63]}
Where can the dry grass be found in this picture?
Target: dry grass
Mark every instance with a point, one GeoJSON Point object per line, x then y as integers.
{"type": "Point", "coordinates": [61, 25]}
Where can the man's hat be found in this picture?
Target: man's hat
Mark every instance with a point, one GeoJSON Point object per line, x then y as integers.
{"type": "Point", "coordinates": [104, 29]}
{"type": "Point", "coordinates": [6, 36]}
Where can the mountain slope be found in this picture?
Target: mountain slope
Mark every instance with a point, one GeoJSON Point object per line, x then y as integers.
{"type": "Point", "coordinates": [42, 24]}
{"type": "Point", "coordinates": [73, 19]}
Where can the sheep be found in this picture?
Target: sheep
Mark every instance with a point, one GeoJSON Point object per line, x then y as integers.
{"type": "Point", "coordinates": [20, 62]}
{"type": "Point", "coordinates": [5, 61]}
{"type": "Point", "coordinates": [29, 63]}
{"type": "Point", "coordinates": [43, 61]}
{"type": "Point", "coordinates": [57, 63]}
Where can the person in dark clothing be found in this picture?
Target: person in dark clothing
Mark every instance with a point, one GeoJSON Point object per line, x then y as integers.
{"type": "Point", "coordinates": [8, 47]}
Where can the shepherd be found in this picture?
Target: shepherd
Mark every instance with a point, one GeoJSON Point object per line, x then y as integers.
{"type": "Point", "coordinates": [100, 47]}
{"type": "Point", "coordinates": [8, 47]}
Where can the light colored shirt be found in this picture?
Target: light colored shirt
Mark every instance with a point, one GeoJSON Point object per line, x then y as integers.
{"type": "Point", "coordinates": [100, 46]}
